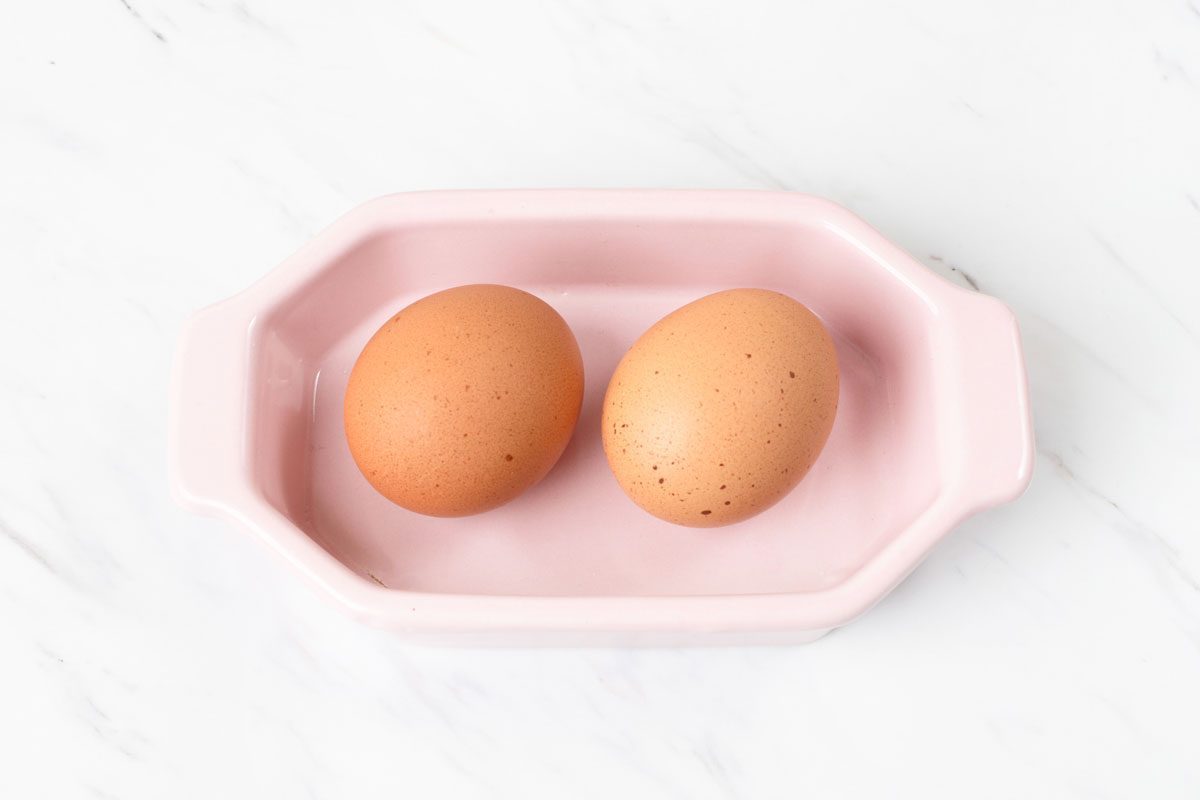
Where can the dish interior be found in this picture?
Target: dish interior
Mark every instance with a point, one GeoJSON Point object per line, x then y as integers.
{"type": "Point", "coordinates": [576, 533]}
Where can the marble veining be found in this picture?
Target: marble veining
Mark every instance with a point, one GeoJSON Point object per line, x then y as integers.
{"type": "Point", "coordinates": [159, 156]}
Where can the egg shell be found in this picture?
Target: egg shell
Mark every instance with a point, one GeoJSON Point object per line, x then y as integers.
{"type": "Point", "coordinates": [721, 407]}
{"type": "Point", "coordinates": [464, 399]}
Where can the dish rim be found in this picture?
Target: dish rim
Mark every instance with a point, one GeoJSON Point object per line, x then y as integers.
{"type": "Point", "coordinates": [212, 474]}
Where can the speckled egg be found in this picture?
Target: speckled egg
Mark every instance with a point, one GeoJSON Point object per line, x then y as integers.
{"type": "Point", "coordinates": [464, 399]}
{"type": "Point", "coordinates": [720, 408]}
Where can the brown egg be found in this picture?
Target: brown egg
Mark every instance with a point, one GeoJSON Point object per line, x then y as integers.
{"type": "Point", "coordinates": [721, 407]}
{"type": "Point", "coordinates": [464, 399]}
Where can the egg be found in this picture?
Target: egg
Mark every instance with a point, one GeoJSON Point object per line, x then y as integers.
{"type": "Point", "coordinates": [464, 399]}
{"type": "Point", "coordinates": [721, 407]}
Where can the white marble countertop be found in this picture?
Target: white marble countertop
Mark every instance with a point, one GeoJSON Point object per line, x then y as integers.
{"type": "Point", "coordinates": [158, 156]}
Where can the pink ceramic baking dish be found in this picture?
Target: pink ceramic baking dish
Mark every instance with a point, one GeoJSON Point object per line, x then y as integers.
{"type": "Point", "coordinates": [933, 423]}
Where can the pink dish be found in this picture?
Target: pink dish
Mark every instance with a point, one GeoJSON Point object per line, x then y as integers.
{"type": "Point", "coordinates": [933, 424]}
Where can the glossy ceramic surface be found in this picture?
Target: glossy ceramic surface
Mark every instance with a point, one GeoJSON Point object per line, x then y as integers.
{"type": "Point", "coordinates": [933, 423]}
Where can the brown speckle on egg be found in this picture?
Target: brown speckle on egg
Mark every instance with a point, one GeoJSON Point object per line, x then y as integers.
{"type": "Point", "coordinates": [684, 420]}
{"type": "Point", "coordinates": [420, 427]}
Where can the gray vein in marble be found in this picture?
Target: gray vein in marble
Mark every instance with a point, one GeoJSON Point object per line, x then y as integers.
{"type": "Point", "coordinates": [304, 744]}
{"type": "Point", "coordinates": [443, 37]}
{"type": "Point", "coordinates": [966, 276]}
{"type": "Point", "coordinates": [48, 654]}
{"type": "Point", "coordinates": [919, 23]}
{"type": "Point", "coordinates": [1096, 360]}
{"type": "Point", "coordinates": [1137, 278]}
{"type": "Point", "coordinates": [1169, 552]}
{"type": "Point", "coordinates": [145, 312]}
{"type": "Point", "coordinates": [590, 14]}
{"type": "Point", "coordinates": [273, 194]}
{"type": "Point", "coordinates": [133, 12]}
{"type": "Point", "coordinates": [14, 388]}
{"type": "Point", "coordinates": [632, 756]}
{"type": "Point", "coordinates": [52, 133]}
{"type": "Point", "coordinates": [711, 761]}
{"type": "Point", "coordinates": [243, 13]}
{"type": "Point", "coordinates": [737, 158]}
{"type": "Point", "coordinates": [1170, 66]}
{"type": "Point", "coordinates": [616, 22]}
{"type": "Point", "coordinates": [30, 549]}
{"type": "Point", "coordinates": [1192, 201]}
{"type": "Point", "coordinates": [994, 553]}
{"type": "Point", "coordinates": [1122, 715]}
{"type": "Point", "coordinates": [696, 129]}
{"type": "Point", "coordinates": [468, 771]}
{"type": "Point", "coordinates": [972, 109]}
{"type": "Point", "coordinates": [95, 553]}
{"type": "Point", "coordinates": [428, 700]}
{"type": "Point", "coordinates": [100, 726]}
{"type": "Point", "coordinates": [70, 529]}
{"type": "Point", "coordinates": [95, 710]}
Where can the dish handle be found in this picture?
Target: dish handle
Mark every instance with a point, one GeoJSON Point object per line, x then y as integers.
{"type": "Point", "coordinates": [994, 440]}
{"type": "Point", "coordinates": [206, 464]}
